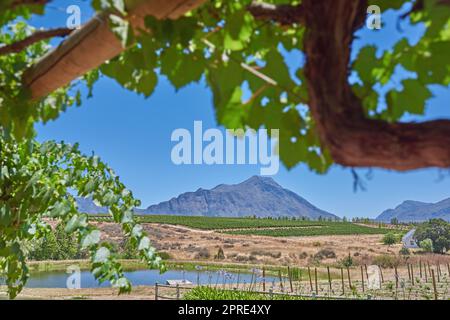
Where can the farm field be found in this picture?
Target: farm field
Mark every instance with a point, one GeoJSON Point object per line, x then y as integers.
{"type": "Point", "coordinates": [333, 228]}
{"type": "Point", "coordinates": [265, 227]}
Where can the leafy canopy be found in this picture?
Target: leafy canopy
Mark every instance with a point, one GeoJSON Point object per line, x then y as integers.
{"type": "Point", "coordinates": [242, 61]}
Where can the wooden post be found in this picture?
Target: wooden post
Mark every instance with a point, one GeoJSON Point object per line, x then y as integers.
{"type": "Point", "coordinates": [434, 285]}
{"type": "Point", "coordinates": [281, 280]}
{"type": "Point", "coordinates": [382, 276]}
{"type": "Point", "coordinates": [178, 291]}
{"type": "Point", "coordinates": [93, 44]}
{"type": "Point", "coordinates": [409, 272]}
{"type": "Point", "coordinates": [429, 268]}
{"type": "Point", "coordinates": [329, 278]}
{"type": "Point", "coordinates": [310, 279]}
{"type": "Point", "coordinates": [438, 276]}
{"type": "Point", "coordinates": [448, 269]}
{"type": "Point", "coordinates": [290, 279]}
{"type": "Point", "coordinates": [349, 278]}
{"type": "Point", "coordinates": [420, 268]}
{"type": "Point", "coordinates": [412, 274]}
{"type": "Point", "coordinates": [156, 291]}
{"type": "Point", "coordinates": [315, 281]}
{"type": "Point", "coordinates": [426, 273]}
{"type": "Point", "coordinates": [342, 278]}
{"type": "Point", "coordinates": [396, 277]}
{"type": "Point", "coordinates": [362, 279]}
{"type": "Point", "coordinates": [365, 268]}
{"type": "Point", "coordinates": [264, 279]}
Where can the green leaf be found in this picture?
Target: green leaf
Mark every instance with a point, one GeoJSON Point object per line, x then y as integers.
{"type": "Point", "coordinates": [91, 238]}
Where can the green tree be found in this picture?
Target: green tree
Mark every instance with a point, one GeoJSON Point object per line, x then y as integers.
{"type": "Point", "coordinates": [436, 230]}
{"type": "Point", "coordinates": [390, 239]}
{"type": "Point", "coordinates": [232, 45]}
{"type": "Point", "coordinates": [426, 245]}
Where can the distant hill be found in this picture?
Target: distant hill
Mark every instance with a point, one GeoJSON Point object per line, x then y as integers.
{"type": "Point", "coordinates": [415, 211]}
{"type": "Point", "coordinates": [259, 196]}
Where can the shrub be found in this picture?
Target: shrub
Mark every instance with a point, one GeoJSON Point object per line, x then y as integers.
{"type": "Point", "coordinates": [220, 255]}
{"type": "Point", "coordinates": [347, 261]}
{"type": "Point", "coordinates": [426, 245]}
{"type": "Point", "coordinates": [386, 261]}
{"type": "Point", "coordinates": [203, 253]}
{"type": "Point", "coordinates": [404, 251]}
{"type": "Point", "coordinates": [56, 245]}
{"type": "Point", "coordinates": [325, 254]}
{"type": "Point", "coordinates": [389, 239]}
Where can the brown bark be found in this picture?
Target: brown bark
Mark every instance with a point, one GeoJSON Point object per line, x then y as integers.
{"type": "Point", "coordinates": [352, 139]}
{"type": "Point", "coordinates": [284, 14]}
{"type": "Point", "coordinates": [87, 48]}
{"type": "Point", "coordinates": [35, 37]}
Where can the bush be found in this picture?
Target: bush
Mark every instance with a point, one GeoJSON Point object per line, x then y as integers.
{"type": "Point", "coordinates": [386, 261]}
{"type": "Point", "coordinates": [325, 254]}
{"type": "Point", "coordinates": [220, 254]}
{"type": "Point", "coordinates": [390, 239]}
{"type": "Point", "coordinates": [203, 254]}
{"type": "Point", "coordinates": [404, 251]}
{"type": "Point", "coordinates": [426, 245]}
{"type": "Point", "coordinates": [347, 261]}
{"type": "Point", "coordinates": [56, 245]}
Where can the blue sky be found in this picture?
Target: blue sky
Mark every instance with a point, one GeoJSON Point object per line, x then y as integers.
{"type": "Point", "coordinates": [132, 135]}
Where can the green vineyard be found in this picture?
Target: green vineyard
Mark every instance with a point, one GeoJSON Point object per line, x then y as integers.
{"type": "Point", "coordinates": [262, 226]}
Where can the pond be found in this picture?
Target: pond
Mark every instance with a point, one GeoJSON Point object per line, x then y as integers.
{"type": "Point", "coordinates": [144, 278]}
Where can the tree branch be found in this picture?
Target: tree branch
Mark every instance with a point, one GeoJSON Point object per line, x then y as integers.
{"type": "Point", "coordinates": [17, 3]}
{"type": "Point", "coordinates": [35, 37]}
{"type": "Point", "coordinates": [284, 14]}
{"type": "Point", "coordinates": [352, 139]}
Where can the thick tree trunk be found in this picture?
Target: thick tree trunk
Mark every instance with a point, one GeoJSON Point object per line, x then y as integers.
{"type": "Point", "coordinates": [352, 139]}
{"type": "Point", "coordinates": [93, 44]}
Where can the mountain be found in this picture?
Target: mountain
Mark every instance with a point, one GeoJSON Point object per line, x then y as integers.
{"type": "Point", "coordinates": [260, 196]}
{"type": "Point", "coordinates": [415, 211]}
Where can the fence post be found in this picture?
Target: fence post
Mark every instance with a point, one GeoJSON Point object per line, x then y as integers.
{"type": "Point", "coordinates": [412, 275]}
{"type": "Point", "coordinates": [178, 292]}
{"type": "Point", "coordinates": [349, 278]}
{"type": "Point", "coordinates": [434, 285]}
{"type": "Point", "coordinates": [342, 278]}
{"type": "Point", "coordinates": [362, 279]}
{"type": "Point", "coordinates": [281, 281]}
{"type": "Point", "coordinates": [264, 279]}
{"type": "Point", "coordinates": [290, 279]}
{"type": "Point", "coordinates": [409, 272]}
{"type": "Point", "coordinates": [381, 274]}
{"type": "Point", "coordinates": [420, 268]}
{"type": "Point", "coordinates": [329, 278]}
{"type": "Point", "coordinates": [315, 280]}
{"type": "Point", "coordinates": [396, 277]}
{"type": "Point", "coordinates": [310, 279]}
{"type": "Point", "coordinates": [448, 269]}
{"type": "Point", "coordinates": [156, 291]}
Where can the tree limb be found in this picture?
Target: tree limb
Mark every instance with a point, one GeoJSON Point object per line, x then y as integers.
{"type": "Point", "coordinates": [352, 139]}
{"type": "Point", "coordinates": [17, 3]}
{"type": "Point", "coordinates": [284, 14]}
{"type": "Point", "coordinates": [35, 37]}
